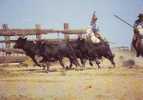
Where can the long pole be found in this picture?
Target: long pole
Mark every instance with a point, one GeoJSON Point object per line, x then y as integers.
{"type": "Point", "coordinates": [123, 21]}
{"type": "Point", "coordinates": [132, 48]}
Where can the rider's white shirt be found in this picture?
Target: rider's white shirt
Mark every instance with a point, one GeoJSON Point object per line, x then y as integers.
{"type": "Point", "coordinates": [140, 29]}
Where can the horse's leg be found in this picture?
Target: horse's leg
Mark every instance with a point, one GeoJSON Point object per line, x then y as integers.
{"type": "Point", "coordinates": [136, 47]}
{"type": "Point", "coordinates": [138, 52]}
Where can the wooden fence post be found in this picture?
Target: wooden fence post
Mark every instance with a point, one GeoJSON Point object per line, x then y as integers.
{"type": "Point", "coordinates": [66, 28]}
{"type": "Point", "coordinates": [38, 32]}
{"type": "Point", "coordinates": [7, 38]}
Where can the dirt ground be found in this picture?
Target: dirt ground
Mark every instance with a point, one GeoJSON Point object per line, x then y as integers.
{"type": "Point", "coordinates": [32, 83]}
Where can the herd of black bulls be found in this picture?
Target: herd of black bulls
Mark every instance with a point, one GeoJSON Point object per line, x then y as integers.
{"type": "Point", "coordinates": [79, 48]}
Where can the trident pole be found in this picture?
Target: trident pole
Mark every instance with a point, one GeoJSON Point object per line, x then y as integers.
{"type": "Point", "coordinates": [132, 48]}
{"type": "Point", "coordinates": [123, 21]}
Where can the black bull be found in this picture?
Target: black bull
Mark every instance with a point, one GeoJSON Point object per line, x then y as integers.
{"type": "Point", "coordinates": [49, 53]}
{"type": "Point", "coordinates": [91, 51]}
{"type": "Point", "coordinates": [72, 50]}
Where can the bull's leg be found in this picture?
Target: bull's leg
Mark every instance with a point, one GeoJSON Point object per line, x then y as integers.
{"type": "Point", "coordinates": [43, 67]}
{"type": "Point", "coordinates": [112, 62]}
{"type": "Point", "coordinates": [48, 66]}
{"type": "Point", "coordinates": [111, 59]}
{"type": "Point", "coordinates": [111, 56]}
{"type": "Point", "coordinates": [75, 62]}
{"type": "Point", "coordinates": [90, 62]}
{"type": "Point", "coordinates": [71, 64]}
{"type": "Point", "coordinates": [43, 60]}
{"type": "Point", "coordinates": [83, 62]}
{"type": "Point", "coordinates": [95, 58]}
{"type": "Point", "coordinates": [73, 57]}
{"type": "Point", "coordinates": [98, 63]}
{"type": "Point", "coordinates": [34, 60]}
{"type": "Point", "coordinates": [61, 62]}
{"type": "Point", "coordinates": [45, 64]}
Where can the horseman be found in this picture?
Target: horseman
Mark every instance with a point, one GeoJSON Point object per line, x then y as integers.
{"type": "Point", "coordinates": [92, 33]}
{"type": "Point", "coordinates": [138, 31]}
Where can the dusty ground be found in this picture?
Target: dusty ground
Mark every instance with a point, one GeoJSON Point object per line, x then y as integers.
{"type": "Point", "coordinates": [31, 83]}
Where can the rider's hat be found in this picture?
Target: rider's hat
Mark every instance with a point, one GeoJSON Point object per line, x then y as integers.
{"type": "Point", "coordinates": [140, 15]}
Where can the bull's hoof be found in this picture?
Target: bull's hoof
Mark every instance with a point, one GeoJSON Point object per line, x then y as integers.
{"type": "Point", "coordinates": [81, 69]}
{"type": "Point", "coordinates": [67, 68]}
{"type": "Point", "coordinates": [84, 68]}
{"type": "Point", "coordinates": [77, 69]}
{"type": "Point", "coordinates": [43, 68]}
{"type": "Point", "coordinates": [91, 64]}
{"type": "Point", "coordinates": [110, 67]}
{"type": "Point", "coordinates": [99, 67]}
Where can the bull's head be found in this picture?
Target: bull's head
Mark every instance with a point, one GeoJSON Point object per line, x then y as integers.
{"type": "Point", "coordinates": [19, 43]}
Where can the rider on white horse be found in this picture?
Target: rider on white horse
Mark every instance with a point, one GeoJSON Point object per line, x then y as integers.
{"type": "Point", "coordinates": [92, 32]}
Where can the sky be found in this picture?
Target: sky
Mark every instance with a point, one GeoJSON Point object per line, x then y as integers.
{"type": "Point", "coordinates": [53, 13]}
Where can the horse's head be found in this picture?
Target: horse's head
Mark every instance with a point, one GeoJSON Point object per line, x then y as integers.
{"type": "Point", "coordinates": [19, 44]}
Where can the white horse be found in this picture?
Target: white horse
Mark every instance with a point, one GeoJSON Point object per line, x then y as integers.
{"type": "Point", "coordinates": [90, 36]}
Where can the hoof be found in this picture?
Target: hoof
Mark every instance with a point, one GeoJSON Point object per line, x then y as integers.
{"type": "Point", "coordinates": [66, 68]}
{"type": "Point", "coordinates": [110, 67]}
